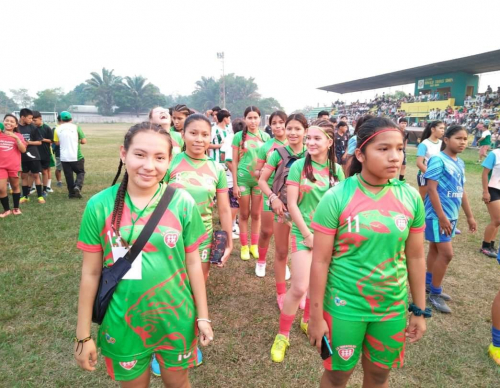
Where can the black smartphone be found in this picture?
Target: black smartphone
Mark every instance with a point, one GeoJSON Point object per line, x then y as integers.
{"type": "Point", "coordinates": [219, 244]}
{"type": "Point", "coordinates": [326, 350]}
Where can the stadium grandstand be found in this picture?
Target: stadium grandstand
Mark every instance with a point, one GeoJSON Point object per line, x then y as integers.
{"type": "Point", "coordinates": [438, 86]}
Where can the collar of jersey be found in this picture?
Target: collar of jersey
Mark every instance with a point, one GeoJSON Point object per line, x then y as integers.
{"type": "Point", "coordinates": [381, 193]}
{"type": "Point", "coordinates": [289, 149]}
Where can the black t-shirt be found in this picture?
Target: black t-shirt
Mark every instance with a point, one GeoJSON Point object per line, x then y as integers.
{"type": "Point", "coordinates": [340, 146]}
{"type": "Point", "coordinates": [30, 133]}
{"type": "Point", "coordinates": [46, 132]}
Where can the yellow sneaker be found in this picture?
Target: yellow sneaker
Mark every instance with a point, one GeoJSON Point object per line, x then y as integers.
{"type": "Point", "coordinates": [304, 326]}
{"type": "Point", "coordinates": [24, 200]}
{"type": "Point", "coordinates": [245, 253]}
{"type": "Point", "coordinates": [494, 353]}
{"type": "Point", "coordinates": [41, 200]}
{"type": "Point", "coordinates": [254, 250]}
{"type": "Point", "coordinates": [278, 350]}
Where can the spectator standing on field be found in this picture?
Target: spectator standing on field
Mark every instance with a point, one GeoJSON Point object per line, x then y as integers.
{"type": "Point", "coordinates": [44, 150]}
{"type": "Point", "coordinates": [484, 143]}
{"type": "Point", "coordinates": [56, 149]}
{"type": "Point", "coordinates": [30, 160]}
{"type": "Point", "coordinates": [69, 137]}
{"type": "Point", "coordinates": [341, 139]}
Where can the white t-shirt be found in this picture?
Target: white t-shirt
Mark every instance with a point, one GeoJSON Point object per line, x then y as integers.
{"type": "Point", "coordinates": [427, 149]}
{"type": "Point", "coordinates": [69, 135]}
{"type": "Point", "coordinates": [492, 162]}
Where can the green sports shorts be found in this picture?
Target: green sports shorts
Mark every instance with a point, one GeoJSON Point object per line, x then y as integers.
{"type": "Point", "coordinates": [247, 184]}
{"type": "Point", "coordinates": [382, 343]}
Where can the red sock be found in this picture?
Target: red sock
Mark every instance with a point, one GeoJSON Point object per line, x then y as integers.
{"type": "Point", "coordinates": [243, 239]}
{"type": "Point", "coordinates": [286, 322]}
{"type": "Point", "coordinates": [281, 288]}
{"type": "Point", "coordinates": [262, 255]}
{"type": "Point", "coordinates": [305, 318]}
{"type": "Point", "coordinates": [255, 239]}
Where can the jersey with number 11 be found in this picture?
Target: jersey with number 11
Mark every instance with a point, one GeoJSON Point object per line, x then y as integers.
{"type": "Point", "coordinates": [367, 275]}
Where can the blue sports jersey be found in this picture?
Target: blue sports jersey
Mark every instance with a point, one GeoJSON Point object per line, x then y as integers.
{"type": "Point", "coordinates": [351, 145]}
{"type": "Point", "coordinates": [450, 175]}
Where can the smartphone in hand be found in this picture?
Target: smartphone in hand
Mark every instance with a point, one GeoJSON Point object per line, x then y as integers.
{"type": "Point", "coordinates": [326, 350]}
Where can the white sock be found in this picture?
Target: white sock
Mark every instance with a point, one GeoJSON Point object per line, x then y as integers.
{"type": "Point", "coordinates": [49, 182]}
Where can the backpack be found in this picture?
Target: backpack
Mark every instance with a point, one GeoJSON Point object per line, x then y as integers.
{"type": "Point", "coordinates": [279, 183]}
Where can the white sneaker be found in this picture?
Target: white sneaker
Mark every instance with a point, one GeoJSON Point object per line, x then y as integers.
{"type": "Point", "coordinates": [235, 236]}
{"type": "Point", "coordinates": [49, 190]}
{"type": "Point", "coordinates": [260, 269]}
{"type": "Point", "coordinates": [236, 229]}
{"type": "Point", "coordinates": [288, 275]}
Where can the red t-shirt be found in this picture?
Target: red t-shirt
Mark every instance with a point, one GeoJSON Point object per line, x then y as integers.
{"type": "Point", "coordinates": [10, 156]}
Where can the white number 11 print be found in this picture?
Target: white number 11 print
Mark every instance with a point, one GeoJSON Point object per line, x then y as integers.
{"type": "Point", "coordinates": [356, 223]}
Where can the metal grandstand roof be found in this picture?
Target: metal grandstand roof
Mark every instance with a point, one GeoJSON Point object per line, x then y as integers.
{"type": "Point", "coordinates": [475, 64]}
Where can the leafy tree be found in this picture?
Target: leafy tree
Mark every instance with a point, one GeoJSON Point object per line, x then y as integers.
{"type": "Point", "coordinates": [104, 89]}
{"type": "Point", "coordinates": [175, 99]}
{"type": "Point", "coordinates": [241, 92]}
{"type": "Point", "coordinates": [80, 95]}
{"type": "Point", "coordinates": [206, 94]}
{"type": "Point", "coordinates": [50, 100]}
{"type": "Point", "coordinates": [139, 95]}
{"type": "Point", "coordinates": [399, 94]}
{"type": "Point", "coordinates": [7, 104]}
{"type": "Point", "coordinates": [22, 98]}
{"type": "Point", "coordinates": [268, 105]}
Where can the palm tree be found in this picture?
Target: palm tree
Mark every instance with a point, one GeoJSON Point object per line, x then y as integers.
{"type": "Point", "coordinates": [206, 94]}
{"type": "Point", "coordinates": [139, 92]}
{"type": "Point", "coordinates": [103, 89]}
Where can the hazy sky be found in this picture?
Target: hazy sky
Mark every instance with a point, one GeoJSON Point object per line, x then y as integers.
{"type": "Point", "coordinates": [289, 47]}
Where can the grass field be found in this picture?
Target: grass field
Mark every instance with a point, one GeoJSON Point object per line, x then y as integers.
{"type": "Point", "coordinates": [40, 273]}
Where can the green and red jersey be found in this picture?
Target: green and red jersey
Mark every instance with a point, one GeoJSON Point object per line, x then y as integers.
{"type": "Point", "coordinates": [202, 178]}
{"type": "Point", "coordinates": [265, 152]}
{"type": "Point", "coordinates": [177, 142]}
{"type": "Point", "coordinates": [248, 152]}
{"type": "Point", "coordinates": [152, 307]}
{"type": "Point", "coordinates": [367, 276]}
{"type": "Point", "coordinates": [310, 193]}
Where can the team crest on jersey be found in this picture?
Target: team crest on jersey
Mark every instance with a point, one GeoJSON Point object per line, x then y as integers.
{"type": "Point", "coordinates": [209, 181]}
{"type": "Point", "coordinates": [339, 302]}
{"type": "Point", "coordinates": [110, 339]}
{"type": "Point", "coordinates": [346, 351]}
{"type": "Point", "coordinates": [171, 239]}
{"type": "Point", "coordinates": [401, 222]}
{"type": "Point", "coordinates": [128, 364]}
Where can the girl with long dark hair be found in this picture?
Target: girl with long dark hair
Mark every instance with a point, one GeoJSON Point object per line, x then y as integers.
{"type": "Point", "coordinates": [245, 146]}
{"type": "Point", "coordinates": [160, 306]}
{"type": "Point", "coordinates": [368, 241]}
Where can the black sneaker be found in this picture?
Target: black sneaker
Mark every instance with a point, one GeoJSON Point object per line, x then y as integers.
{"type": "Point", "coordinates": [439, 303]}
{"type": "Point", "coordinates": [78, 193]}
{"type": "Point", "coordinates": [446, 297]}
{"type": "Point", "coordinates": [487, 252]}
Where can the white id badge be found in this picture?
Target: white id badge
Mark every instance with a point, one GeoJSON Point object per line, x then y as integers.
{"type": "Point", "coordinates": [118, 250]}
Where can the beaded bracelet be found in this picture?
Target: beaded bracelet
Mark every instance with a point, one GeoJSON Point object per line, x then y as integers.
{"type": "Point", "coordinates": [417, 311]}
{"type": "Point", "coordinates": [81, 342]}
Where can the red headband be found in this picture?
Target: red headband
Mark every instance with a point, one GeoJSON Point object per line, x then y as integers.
{"type": "Point", "coordinates": [377, 133]}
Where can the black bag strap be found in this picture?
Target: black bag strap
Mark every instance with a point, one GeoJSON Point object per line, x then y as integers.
{"type": "Point", "coordinates": [150, 225]}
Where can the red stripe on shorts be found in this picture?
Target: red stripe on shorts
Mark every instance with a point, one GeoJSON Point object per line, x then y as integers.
{"type": "Point", "coordinates": [109, 367]}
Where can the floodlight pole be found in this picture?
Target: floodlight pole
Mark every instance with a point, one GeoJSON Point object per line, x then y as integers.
{"type": "Point", "coordinates": [223, 83]}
